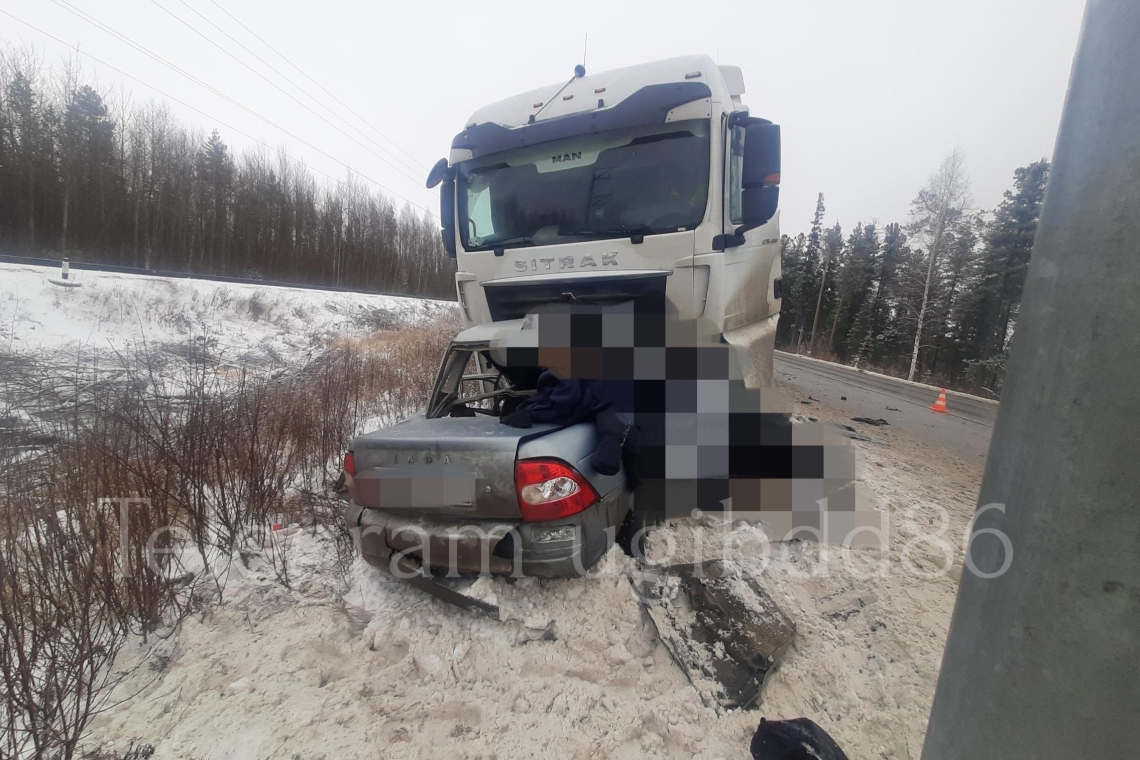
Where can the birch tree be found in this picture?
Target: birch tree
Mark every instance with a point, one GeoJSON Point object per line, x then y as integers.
{"type": "Point", "coordinates": [937, 207]}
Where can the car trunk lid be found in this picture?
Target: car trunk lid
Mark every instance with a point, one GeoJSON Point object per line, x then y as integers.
{"type": "Point", "coordinates": [449, 465]}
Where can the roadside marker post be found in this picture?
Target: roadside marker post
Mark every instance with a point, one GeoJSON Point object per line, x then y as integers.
{"type": "Point", "coordinates": [64, 278]}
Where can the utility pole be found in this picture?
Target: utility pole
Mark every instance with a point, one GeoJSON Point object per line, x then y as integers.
{"type": "Point", "coordinates": [1043, 660]}
{"type": "Point", "coordinates": [818, 303]}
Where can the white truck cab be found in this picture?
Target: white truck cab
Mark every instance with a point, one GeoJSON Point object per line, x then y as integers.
{"type": "Point", "coordinates": [596, 190]}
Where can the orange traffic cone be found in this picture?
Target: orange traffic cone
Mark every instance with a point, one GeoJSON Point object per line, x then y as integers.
{"type": "Point", "coordinates": [940, 404]}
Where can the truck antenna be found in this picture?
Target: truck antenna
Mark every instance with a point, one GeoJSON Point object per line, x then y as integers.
{"type": "Point", "coordinates": [585, 44]}
{"type": "Point", "coordinates": [579, 72]}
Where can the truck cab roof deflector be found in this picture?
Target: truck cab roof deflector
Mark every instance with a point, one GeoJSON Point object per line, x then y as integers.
{"type": "Point", "coordinates": [649, 105]}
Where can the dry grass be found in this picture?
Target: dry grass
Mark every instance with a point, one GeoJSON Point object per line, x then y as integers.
{"type": "Point", "coordinates": [218, 453]}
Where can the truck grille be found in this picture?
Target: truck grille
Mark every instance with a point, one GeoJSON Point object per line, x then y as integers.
{"type": "Point", "coordinates": [509, 301]}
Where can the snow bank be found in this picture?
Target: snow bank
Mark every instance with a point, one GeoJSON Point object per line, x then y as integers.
{"type": "Point", "coordinates": [115, 311]}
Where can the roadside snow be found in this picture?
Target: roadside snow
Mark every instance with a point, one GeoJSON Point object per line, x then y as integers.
{"type": "Point", "coordinates": [388, 671]}
{"type": "Point", "coordinates": [117, 311]}
{"type": "Point", "coordinates": [382, 669]}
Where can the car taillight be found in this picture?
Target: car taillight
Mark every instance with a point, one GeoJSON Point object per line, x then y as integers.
{"type": "Point", "coordinates": [549, 489]}
{"type": "Point", "coordinates": [350, 464]}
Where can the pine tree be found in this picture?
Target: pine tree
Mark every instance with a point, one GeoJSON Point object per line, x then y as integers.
{"type": "Point", "coordinates": [956, 271]}
{"type": "Point", "coordinates": [26, 149]}
{"type": "Point", "coordinates": [86, 159]}
{"type": "Point", "coordinates": [832, 250]}
{"type": "Point", "coordinates": [812, 267]}
{"type": "Point", "coordinates": [854, 282]}
{"type": "Point", "coordinates": [800, 256]}
{"type": "Point", "coordinates": [794, 273]}
{"type": "Point", "coordinates": [990, 305]}
{"type": "Point", "coordinates": [143, 190]}
{"type": "Point", "coordinates": [865, 340]}
{"type": "Point", "coordinates": [1010, 239]}
{"type": "Point", "coordinates": [217, 173]}
{"type": "Point", "coordinates": [886, 342]}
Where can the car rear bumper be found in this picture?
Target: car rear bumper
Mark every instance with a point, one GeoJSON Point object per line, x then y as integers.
{"type": "Point", "coordinates": [454, 545]}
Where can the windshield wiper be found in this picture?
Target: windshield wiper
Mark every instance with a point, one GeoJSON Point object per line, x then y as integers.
{"type": "Point", "coordinates": [636, 232]}
{"type": "Point", "coordinates": [499, 245]}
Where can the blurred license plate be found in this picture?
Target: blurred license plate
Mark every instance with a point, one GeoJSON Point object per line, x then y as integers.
{"type": "Point", "coordinates": [426, 487]}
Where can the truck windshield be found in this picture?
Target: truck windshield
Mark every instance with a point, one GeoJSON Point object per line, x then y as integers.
{"type": "Point", "coordinates": [640, 180]}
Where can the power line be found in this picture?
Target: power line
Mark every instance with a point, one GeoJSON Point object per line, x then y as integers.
{"type": "Point", "coordinates": [173, 67]}
{"type": "Point", "coordinates": [303, 73]}
{"type": "Point", "coordinates": [228, 126]}
{"type": "Point", "coordinates": [281, 89]}
{"type": "Point", "coordinates": [123, 38]}
{"type": "Point", "coordinates": [307, 94]}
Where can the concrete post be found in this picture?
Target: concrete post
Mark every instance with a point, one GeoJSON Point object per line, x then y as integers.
{"type": "Point", "coordinates": [1043, 661]}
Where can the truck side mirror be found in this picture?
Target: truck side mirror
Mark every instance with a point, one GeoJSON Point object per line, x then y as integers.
{"type": "Point", "coordinates": [438, 173]}
{"type": "Point", "coordinates": [444, 173]}
{"type": "Point", "coordinates": [761, 176]}
{"type": "Point", "coordinates": [447, 215]}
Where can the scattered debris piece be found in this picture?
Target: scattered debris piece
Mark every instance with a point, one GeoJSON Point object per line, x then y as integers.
{"type": "Point", "coordinates": [858, 436]}
{"type": "Point", "coordinates": [842, 607]}
{"type": "Point", "coordinates": [893, 409]}
{"type": "Point", "coordinates": [531, 632]}
{"type": "Point", "coordinates": [413, 573]}
{"type": "Point", "coordinates": [723, 630]}
{"type": "Point", "coordinates": [842, 398]}
{"type": "Point", "coordinates": [876, 421]}
{"type": "Point", "coordinates": [797, 737]}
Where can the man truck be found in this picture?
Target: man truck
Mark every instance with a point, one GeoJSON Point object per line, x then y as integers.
{"type": "Point", "coordinates": [648, 178]}
{"type": "Point", "coordinates": [651, 180]}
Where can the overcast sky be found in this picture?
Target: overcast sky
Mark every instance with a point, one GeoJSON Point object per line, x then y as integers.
{"type": "Point", "coordinates": [871, 94]}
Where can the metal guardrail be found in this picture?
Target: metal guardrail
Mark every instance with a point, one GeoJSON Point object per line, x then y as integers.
{"type": "Point", "coordinates": [963, 405]}
{"type": "Point", "coordinates": [113, 269]}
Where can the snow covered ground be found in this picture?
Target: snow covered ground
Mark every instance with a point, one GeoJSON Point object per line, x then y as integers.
{"type": "Point", "coordinates": [362, 666]}
{"type": "Point", "coordinates": [116, 311]}
{"type": "Point", "coordinates": [380, 669]}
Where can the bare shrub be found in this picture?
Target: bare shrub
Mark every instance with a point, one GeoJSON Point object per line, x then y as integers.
{"type": "Point", "coordinates": [134, 751]}
{"type": "Point", "coordinates": [58, 625]}
{"type": "Point", "coordinates": [214, 453]}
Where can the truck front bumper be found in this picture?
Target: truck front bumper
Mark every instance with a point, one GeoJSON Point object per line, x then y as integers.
{"type": "Point", "coordinates": [454, 545]}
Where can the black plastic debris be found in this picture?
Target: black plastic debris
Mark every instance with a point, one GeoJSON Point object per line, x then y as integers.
{"type": "Point", "coordinates": [795, 739]}
{"type": "Point", "coordinates": [854, 434]}
{"type": "Point", "coordinates": [877, 421]}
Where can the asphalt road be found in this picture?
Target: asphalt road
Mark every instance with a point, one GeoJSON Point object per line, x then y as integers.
{"type": "Point", "coordinates": [965, 431]}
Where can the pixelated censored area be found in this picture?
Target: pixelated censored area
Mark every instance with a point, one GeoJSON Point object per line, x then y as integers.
{"type": "Point", "coordinates": [699, 438]}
